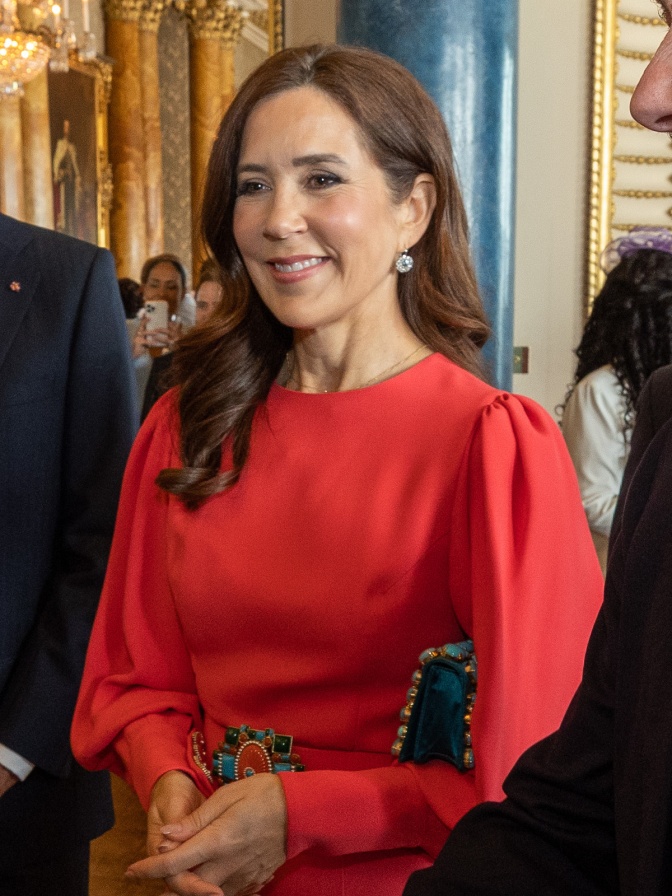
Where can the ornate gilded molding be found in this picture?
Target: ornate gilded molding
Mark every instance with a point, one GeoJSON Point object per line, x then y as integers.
{"type": "Point", "coordinates": [99, 65]}
{"type": "Point", "coordinates": [625, 228]}
{"type": "Point", "coordinates": [627, 161]}
{"type": "Point", "coordinates": [639, 55]}
{"type": "Point", "coordinates": [276, 26]}
{"type": "Point", "coordinates": [106, 188]}
{"type": "Point", "coordinates": [644, 194]}
{"type": "Point", "coordinates": [215, 19]}
{"type": "Point", "coordinates": [150, 15]}
{"type": "Point", "coordinates": [643, 160]}
{"type": "Point", "coordinates": [602, 140]}
{"type": "Point", "coordinates": [641, 20]}
{"type": "Point", "coordinates": [123, 10]}
{"type": "Point", "coordinates": [259, 18]}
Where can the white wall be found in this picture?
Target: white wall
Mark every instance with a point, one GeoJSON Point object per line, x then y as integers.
{"type": "Point", "coordinates": [310, 21]}
{"type": "Point", "coordinates": [552, 178]}
{"type": "Point", "coordinates": [552, 191]}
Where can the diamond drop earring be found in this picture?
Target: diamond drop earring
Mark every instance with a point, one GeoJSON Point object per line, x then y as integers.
{"type": "Point", "coordinates": [404, 263]}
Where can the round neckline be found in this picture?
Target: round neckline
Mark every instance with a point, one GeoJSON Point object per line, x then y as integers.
{"type": "Point", "coordinates": [360, 390]}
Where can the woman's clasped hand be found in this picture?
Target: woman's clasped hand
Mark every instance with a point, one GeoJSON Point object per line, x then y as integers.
{"type": "Point", "coordinates": [235, 839]}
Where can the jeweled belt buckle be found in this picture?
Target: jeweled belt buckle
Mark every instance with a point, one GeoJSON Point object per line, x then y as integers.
{"type": "Point", "coordinates": [245, 752]}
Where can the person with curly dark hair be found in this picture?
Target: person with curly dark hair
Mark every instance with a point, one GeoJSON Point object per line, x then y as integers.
{"type": "Point", "coordinates": [628, 335]}
{"type": "Point", "coordinates": [331, 489]}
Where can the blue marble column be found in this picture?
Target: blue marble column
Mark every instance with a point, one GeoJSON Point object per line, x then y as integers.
{"type": "Point", "coordinates": [464, 52]}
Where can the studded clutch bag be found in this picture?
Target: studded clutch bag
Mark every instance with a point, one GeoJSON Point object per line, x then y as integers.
{"type": "Point", "coordinates": [436, 720]}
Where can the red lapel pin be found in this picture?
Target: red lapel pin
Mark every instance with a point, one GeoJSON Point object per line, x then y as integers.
{"type": "Point", "coordinates": [15, 286]}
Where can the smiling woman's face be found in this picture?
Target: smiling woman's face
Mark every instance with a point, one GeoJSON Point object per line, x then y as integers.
{"type": "Point", "coordinates": [314, 220]}
{"type": "Point", "coordinates": [164, 282]}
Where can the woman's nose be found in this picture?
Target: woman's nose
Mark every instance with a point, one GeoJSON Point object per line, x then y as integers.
{"type": "Point", "coordinates": [651, 103]}
{"type": "Point", "coordinates": [284, 214]}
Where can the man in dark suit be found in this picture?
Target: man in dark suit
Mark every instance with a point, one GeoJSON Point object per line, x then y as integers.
{"type": "Point", "coordinates": [67, 419]}
{"type": "Point", "coordinates": [589, 809]}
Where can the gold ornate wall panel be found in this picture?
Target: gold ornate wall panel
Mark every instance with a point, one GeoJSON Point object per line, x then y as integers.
{"type": "Point", "coordinates": [631, 167]}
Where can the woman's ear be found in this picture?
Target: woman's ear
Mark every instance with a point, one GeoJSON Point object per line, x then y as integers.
{"type": "Point", "coordinates": [417, 210]}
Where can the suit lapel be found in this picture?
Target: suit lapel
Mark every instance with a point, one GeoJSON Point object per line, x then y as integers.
{"type": "Point", "coordinates": [18, 280]}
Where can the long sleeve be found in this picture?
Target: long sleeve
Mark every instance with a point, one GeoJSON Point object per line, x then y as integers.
{"type": "Point", "coordinates": [138, 679]}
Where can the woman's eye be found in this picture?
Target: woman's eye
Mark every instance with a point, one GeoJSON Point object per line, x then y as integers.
{"type": "Point", "coordinates": [249, 186]}
{"type": "Point", "coordinates": [320, 181]}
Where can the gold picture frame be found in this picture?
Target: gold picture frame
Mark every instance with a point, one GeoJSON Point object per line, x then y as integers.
{"type": "Point", "coordinates": [82, 176]}
{"type": "Point", "coordinates": [630, 167]}
{"type": "Point", "coordinates": [276, 20]}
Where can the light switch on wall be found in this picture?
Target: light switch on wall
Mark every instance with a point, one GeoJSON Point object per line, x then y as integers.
{"type": "Point", "coordinates": [521, 359]}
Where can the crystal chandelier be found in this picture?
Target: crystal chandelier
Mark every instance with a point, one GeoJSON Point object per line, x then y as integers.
{"type": "Point", "coordinates": [34, 33]}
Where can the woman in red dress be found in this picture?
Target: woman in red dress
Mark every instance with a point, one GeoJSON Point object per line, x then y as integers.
{"type": "Point", "coordinates": [331, 489]}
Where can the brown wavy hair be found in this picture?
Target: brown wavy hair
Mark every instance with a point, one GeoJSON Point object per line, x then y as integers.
{"type": "Point", "coordinates": [226, 368]}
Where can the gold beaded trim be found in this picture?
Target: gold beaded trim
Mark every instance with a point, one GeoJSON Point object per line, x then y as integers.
{"type": "Point", "coordinates": [458, 654]}
{"type": "Point", "coordinates": [199, 755]}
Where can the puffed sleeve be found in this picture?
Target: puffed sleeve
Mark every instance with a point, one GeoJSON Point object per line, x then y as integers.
{"type": "Point", "coordinates": [526, 586]}
{"type": "Point", "coordinates": [138, 703]}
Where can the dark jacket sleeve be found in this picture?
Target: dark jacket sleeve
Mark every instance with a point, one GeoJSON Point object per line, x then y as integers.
{"type": "Point", "coordinates": [654, 408]}
{"type": "Point", "coordinates": [98, 425]}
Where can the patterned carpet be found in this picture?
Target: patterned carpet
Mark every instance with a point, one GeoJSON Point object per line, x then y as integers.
{"type": "Point", "coordinates": [112, 853]}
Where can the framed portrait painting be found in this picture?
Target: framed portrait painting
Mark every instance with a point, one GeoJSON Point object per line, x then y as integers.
{"type": "Point", "coordinates": [81, 179]}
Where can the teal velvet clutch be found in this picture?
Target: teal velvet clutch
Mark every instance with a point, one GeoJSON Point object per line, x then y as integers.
{"type": "Point", "coordinates": [437, 716]}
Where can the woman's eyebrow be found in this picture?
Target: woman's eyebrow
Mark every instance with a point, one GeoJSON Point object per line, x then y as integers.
{"type": "Point", "coordinates": [318, 158]}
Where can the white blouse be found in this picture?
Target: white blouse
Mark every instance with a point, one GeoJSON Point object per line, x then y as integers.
{"type": "Point", "coordinates": [593, 425]}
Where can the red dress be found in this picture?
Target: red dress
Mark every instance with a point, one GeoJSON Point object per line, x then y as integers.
{"type": "Point", "coordinates": [366, 526]}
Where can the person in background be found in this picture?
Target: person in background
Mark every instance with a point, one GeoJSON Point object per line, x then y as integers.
{"type": "Point", "coordinates": [163, 278]}
{"type": "Point", "coordinates": [208, 297]}
{"type": "Point", "coordinates": [131, 297]}
{"type": "Point", "coordinates": [331, 489]}
{"type": "Point", "coordinates": [588, 810]}
{"type": "Point", "coordinates": [66, 427]}
{"type": "Point", "coordinates": [209, 292]}
{"type": "Point", "coordinates": [627, 336]}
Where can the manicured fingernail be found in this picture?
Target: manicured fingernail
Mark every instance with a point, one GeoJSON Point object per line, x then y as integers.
{"type": "Point", "coordinates": [171, 829]}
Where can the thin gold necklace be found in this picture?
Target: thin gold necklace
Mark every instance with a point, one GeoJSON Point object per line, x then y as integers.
{"type": "Point", "coordinates": [300, 387]}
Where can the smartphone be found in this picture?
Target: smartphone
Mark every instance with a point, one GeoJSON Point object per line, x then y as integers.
{"type": "Point", "coordinates": [156, 315]}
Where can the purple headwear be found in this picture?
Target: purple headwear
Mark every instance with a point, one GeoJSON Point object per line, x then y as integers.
{"type": "Point", "coordinates": [638, 238]}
